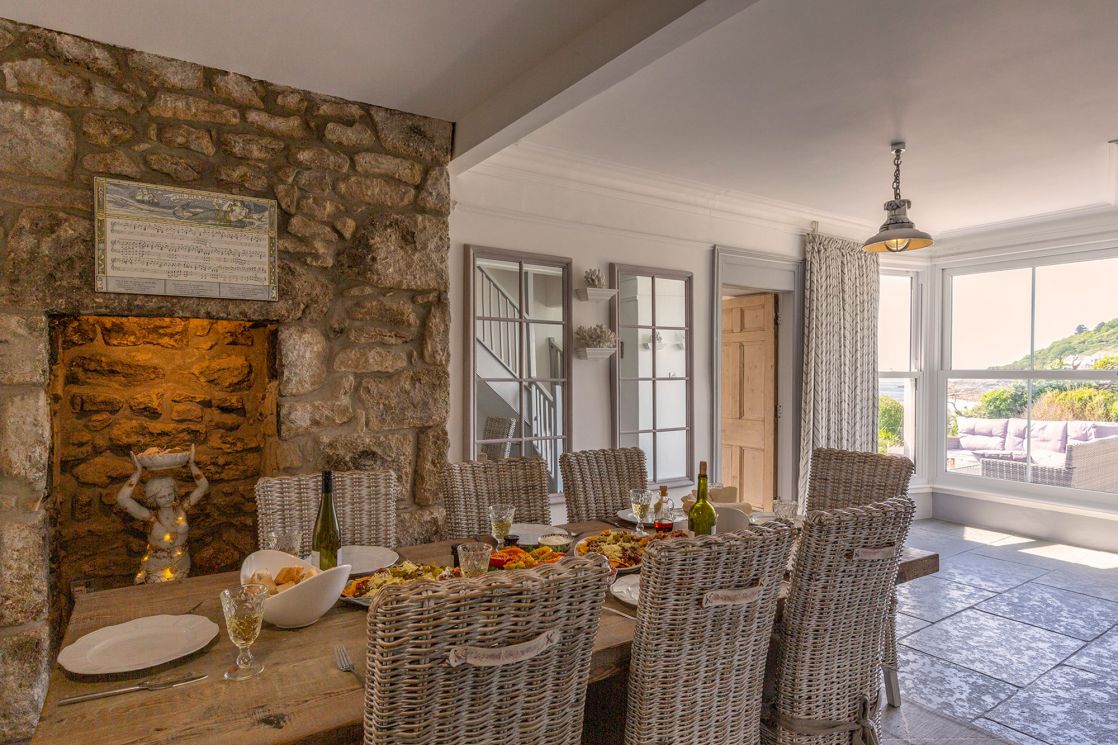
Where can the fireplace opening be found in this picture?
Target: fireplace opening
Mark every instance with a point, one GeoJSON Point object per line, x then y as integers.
{"type": "Point", "coordinates": [120, 385]}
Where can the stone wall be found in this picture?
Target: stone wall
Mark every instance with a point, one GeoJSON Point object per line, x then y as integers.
{"type": "Point", "coordinates": [122, 384]}
{"type": "Point", "coordinates": [362, 321]}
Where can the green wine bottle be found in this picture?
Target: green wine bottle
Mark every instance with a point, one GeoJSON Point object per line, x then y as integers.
{"type": "Point", "coordinates": [702, 517]}
{"type": "Point", "coordinates": [327, 536]}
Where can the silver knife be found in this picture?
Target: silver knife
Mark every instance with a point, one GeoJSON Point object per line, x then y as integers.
{"type": "Point", "coordinates": [146, 685]}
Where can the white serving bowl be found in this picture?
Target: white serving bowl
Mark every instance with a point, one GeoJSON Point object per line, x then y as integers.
{"type": "Point", "coordinates": [304, 603]}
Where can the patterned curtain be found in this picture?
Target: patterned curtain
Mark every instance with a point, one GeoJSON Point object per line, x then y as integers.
{"type": "Point", "coordinates": [840, 349]}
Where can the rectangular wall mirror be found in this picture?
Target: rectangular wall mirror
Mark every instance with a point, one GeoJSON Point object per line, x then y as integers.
{"type": "Point", "coordinates": [652, 371]}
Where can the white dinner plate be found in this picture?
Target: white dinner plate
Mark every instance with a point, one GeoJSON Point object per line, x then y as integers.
{"type": "Point", "coordinates": [137, 644]}
{"type": "Point", "coordinates": [627, 589]}
{"type": "Point", "coordinates": [529, 533]}
{"type": "Point", "coordinates": [361, 559]}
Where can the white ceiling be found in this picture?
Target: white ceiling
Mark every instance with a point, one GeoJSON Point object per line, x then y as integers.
{"type": "Point", "coordinates": [1006, 105]}
{"type": "Point", "coordinates": [433, 57]}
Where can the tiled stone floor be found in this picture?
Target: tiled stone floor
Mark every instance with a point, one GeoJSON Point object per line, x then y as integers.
{"type": "Point", "coordinates": [1017, 636]}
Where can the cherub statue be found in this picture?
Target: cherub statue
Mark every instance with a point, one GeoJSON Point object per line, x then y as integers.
{"type": "Point", "coordinates": [167, 556]}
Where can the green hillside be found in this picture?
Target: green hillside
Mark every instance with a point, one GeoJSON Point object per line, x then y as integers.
{"type": "Point", "coordinates": [1091, 341]}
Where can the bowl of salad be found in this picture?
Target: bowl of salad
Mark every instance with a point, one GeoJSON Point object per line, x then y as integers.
{"type": "Point", "coordinates": [623, 549]}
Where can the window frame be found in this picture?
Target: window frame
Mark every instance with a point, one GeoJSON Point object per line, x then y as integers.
{"type": "Point", "coordinates": [1056, 495]}
{"type": "Point", "coordinates": [688, 278]}
{"type": "Point", "coordinates": [914, 410]}
{"type": "Point", "coordinates": [472, 254]}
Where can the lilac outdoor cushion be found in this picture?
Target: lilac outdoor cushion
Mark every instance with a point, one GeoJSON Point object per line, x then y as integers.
{"type": "Point", "coordinates": [1105, 429]}
{"type": "Point", "coordinates": [1081, 432]}
{"type": "Point", "coordinates": [1015, 434]}
{"type": "Point", "coordinates": [982, 434]}
{"type": "Point", "coordinates": [1050, 436]}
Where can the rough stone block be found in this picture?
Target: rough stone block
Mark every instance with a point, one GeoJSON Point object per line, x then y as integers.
{"type": "Point", "coordinates": [39, 78]}
{"type": "Point", "coordinates": [192, 108]}
{"type": "Point", "coordinates": [253, 147]}
{"type": "Point", "coordinates": [23, 349]}
{"type": "Point", "coordinates": [74, 50]}
{"type": "Point", "coordinates": [302, 357]}
{"type": "Point", "coordinates": [303, 417]}
{"type": "Point", "coordinates": [393, 313]}
{"type": "Point", "coordinates": [25, 436]}
{"type": "Point", "coordinates": [369, 360]}
{"type": "Point", "coordinates": [436, 335]}
{"type": "Point", "coordinates": [164, 72]}
{"type": "Point", "coordinates": [381, 164]}
{"type": "Point", "coordinates": [178, 168]}
{"type": "Point", "coordinates": [399, 251]}
{"type": "Point", "coordinates": [225, 372]}
{"type": "Point", "coordinates": [244, 175]}
{"type": "Point", "coordinates": [102, 129]}
{"type": "Point", "coordinates": [244, 91]}
{"type": "Point", "coordinates": [376, 191]}
{"type": "Point", "coordinates": [292, 127]}
{"type": "Point", "coordinates": [104, 470]}
{"type": "Point", "coordinates": [370, 451]}
{"type": "Point", "coordinates": [321, 158]}
{"type": "Point", "coordinates": [412, 398]}
{"type": "Point", "coordinates": [413, 136]}
{"type": "Point", "coordinates": [355, 135]}
{"type": "Point", "coordinates": [114, 162]}
{"type": "Point", "coordinates": [430, 461]}
{"type": "Point", "coordinates": [435, 194]}
{"type": "Point", "coordinates": [25, 651]}
{"type": "Point", "coordinates": [423, 525]}
{"type": "Point", "coordinates": [191, 138]}
{"type": "Point", "coordinates": [93, 369]}
{"type": "Point", "coordinates": [35, 140]}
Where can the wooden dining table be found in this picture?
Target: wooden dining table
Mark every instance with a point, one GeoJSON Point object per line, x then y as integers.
{"type": "Point", "coordinates": [301, 698]}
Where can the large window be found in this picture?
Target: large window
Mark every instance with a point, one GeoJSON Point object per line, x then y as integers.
{"type": "Point", "coordinates": [518, 305]}
{"type": "Point", "coordinates": [652, 369]}
{"type": "Point", "coordinates": [898, 346]}
{"type": "Point", "coordinates": [1032, 374]}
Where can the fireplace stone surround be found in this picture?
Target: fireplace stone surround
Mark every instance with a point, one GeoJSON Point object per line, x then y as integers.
{"type": "Point", "coordinates": [360, 329]}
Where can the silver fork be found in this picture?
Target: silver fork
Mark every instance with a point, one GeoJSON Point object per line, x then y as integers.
{"type": "Point", "coordinates": [341, 659]}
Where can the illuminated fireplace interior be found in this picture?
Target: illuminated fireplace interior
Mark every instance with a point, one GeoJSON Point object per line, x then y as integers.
{"type": "Point", "coordinates": [124, 384]}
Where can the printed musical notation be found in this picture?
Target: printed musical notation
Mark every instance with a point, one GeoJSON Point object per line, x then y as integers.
{"type": "Point", "coordinates": [161, 240]}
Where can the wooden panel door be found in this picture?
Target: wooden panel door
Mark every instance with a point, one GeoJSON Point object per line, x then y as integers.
{"type": "Point", "coordinates": [749, 397]}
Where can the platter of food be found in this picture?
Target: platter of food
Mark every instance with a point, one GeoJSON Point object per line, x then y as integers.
{"type": "Point", "coordinates": [515, 557]}
{"type": "Point", "coordinates": [622, 548]}
{"type": "Point", "coordinates": [361, 590]}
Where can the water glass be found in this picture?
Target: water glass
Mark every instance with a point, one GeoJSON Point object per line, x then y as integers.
{"type": "Point", "coordinates": [785, 510]}
{"type": "Point", "coordinates": [640, 500]}
{"type": "Point", "coordinates": [473, 559]}
{"type": "Point", "coordinates": [500, 521]}
{"type": "Point", "coordinates": [244, 612]}
{"type": "Point", "coordinates": [288, 541]}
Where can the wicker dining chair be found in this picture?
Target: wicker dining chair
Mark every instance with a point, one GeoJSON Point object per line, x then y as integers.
{"type": "Point", "coordinates": [824, 686]}
{"type": "Point", "coordinates": [704, 618]}
{"type": "Point", "coordinates": [841, 478]}
{"type": "Point", "coordinates": [469, 488]}
{"type": "Point", "coordinates": [502, 658]}
{"type": "Point", "coordinates": [365, 502]}
{"type": "Point", "coordinates": [596, 483]}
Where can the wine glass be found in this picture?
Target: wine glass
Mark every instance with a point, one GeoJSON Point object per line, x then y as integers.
{"type": "Point", "coordinates": [785, 510]}
{"type": "Point", "coordinates": [639, 500]}
{"type": "Point", "coordinates": [244, 611]}
{"type": "Point", "coordinates": [500, 521]}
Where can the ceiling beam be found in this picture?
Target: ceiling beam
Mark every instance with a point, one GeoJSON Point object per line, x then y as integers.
{"type": "Point", "coordinates": [633, 35]}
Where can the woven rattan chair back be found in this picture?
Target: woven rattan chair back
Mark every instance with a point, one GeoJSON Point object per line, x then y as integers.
{"type": "Point", "coordinates": [705, 615]}
{"type": "Point", "coordinates": [828, 655]}
{"type": "Point", "coordinates": [502, 658]}
{"type": "Point", "coordinates": [842, 478]}
{"type": "Point", "coordinates": [596, 483]}
{"type": "Point", "coordinates": [365, 502]}
{"type": "Point", "coordinates": [469, 488]}
{"type": "Point", "coordinates": [498, 428]}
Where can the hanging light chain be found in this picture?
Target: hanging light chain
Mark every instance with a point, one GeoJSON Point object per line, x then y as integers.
{"type": "Point", "coordinates": [897, 173]}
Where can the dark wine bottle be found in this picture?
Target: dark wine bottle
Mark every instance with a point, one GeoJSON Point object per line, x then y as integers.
{"type": "Point", "coordinates": [702, 516]}
{"type": "Point", "coordinates": [327, 535]}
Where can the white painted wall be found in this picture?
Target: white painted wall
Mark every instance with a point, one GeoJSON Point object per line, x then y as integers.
{"type": "Point", "coordinates": [533, 200]}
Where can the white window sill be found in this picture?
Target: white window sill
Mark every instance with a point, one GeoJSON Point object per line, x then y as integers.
{"type": "Point", "coordinates": [1038, 502]}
